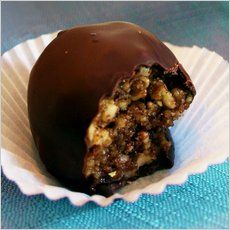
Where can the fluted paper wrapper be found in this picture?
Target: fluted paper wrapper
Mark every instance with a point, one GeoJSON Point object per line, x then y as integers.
{"type": "Point", "coordinates": [201, 136]}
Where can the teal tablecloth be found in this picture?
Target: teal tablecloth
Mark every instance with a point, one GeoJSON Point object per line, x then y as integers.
{"type": "Point", "coordinates": [202, 202]}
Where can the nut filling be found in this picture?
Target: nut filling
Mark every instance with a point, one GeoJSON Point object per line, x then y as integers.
{"type": "Point", "coordinates": [125, 135]}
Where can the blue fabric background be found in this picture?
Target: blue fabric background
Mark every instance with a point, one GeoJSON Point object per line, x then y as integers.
{"type": "Point", "coordinates": [202, 202]}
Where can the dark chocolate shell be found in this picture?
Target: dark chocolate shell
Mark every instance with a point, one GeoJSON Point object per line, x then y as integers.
{"type": "Point", "coordinates": [80, 66]}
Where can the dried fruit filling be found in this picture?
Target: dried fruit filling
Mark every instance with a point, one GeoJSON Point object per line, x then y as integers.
{"type": "Point", "coordinates": [125, 134]}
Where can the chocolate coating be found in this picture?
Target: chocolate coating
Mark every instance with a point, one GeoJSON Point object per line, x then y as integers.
{"type": "Point", "coordinates": [76, 69]}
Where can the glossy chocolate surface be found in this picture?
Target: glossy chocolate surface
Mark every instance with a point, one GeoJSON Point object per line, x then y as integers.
{"type": "Point", "coordinates": [75, 70]}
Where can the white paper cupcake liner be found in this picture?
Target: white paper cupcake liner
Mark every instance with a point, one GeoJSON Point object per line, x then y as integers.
{"type": "Point", "coordinates": [201, 136]}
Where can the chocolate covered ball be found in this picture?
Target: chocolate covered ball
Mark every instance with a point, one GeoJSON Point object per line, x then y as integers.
{"type": "Point", "coordinates": [100, 99]}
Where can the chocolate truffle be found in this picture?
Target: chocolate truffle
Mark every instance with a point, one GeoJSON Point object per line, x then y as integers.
{"type": "Point", "coordinates": [100, 99]}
